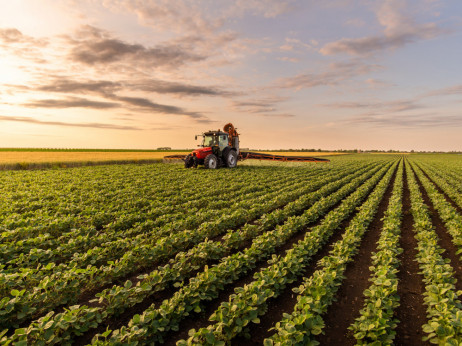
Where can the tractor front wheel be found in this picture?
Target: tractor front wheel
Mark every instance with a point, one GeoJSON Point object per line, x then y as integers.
{"type": "Point", "coordinates": [211, 161]}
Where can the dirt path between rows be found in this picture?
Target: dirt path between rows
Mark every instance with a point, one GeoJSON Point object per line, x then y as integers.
{"type": "Point", "coordinates": [445, 239]}
{"type": "Point", "coordinates": [350, 298]}
{"type": "Point", "coordinates": [411, 313]}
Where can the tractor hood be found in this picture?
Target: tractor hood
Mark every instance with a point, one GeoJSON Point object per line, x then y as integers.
{"type": "Point", "coordinates": [201, 153]}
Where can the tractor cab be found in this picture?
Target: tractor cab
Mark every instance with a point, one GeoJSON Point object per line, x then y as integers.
{"type": "Point", "coordinates": [215, 139]}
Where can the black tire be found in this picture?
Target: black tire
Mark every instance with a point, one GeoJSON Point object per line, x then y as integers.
{"type": "Point", "coordinates": [231, 159]}
{"type": "Point", "coordinates": [188, 161]}
{"type": "Point", "coordinates": [211, 161]}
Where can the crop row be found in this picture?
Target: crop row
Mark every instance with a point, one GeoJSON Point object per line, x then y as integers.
{"type": "Point", "coordinates": [376, 323]}
{"type": "Point", "coordinates": [446, 183]}
{"type": "Point", "coordinates": [443, 306]}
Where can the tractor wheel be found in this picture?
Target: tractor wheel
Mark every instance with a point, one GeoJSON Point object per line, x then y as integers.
{"type": "Point", "coordinates": [231, 159]}
{"type": "Point", "coordinates": [211, 161]}
{"type": "Point", "coordinates": [188, 161]}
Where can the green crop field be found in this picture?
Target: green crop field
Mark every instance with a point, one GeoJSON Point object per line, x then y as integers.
{"type": "Point", "coordinates": [365, 249]}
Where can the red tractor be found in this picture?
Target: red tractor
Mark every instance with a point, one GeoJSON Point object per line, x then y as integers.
{"type": "Point", "coordinates": [221, 149]}
{"type": "Point", "coordinates": [218, 149]}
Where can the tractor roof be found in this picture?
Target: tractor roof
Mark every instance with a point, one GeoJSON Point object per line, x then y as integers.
{"type": "Point", "coordinates": [215, 133]}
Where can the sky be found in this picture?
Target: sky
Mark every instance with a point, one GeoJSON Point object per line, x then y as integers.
{"type": "Point", "coordinates": [142, 74]}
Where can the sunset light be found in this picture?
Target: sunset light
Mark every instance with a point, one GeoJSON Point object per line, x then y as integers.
{"type": "Point", "coordinates": [289, 74]}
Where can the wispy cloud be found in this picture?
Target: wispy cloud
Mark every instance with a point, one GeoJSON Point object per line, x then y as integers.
{"type": "Point", "coordinates": [12, 36]}
{"type": "Point", "coordinates": [415, 121]}
{"type": "Point", "coordinates": [452, 90]}
{"type": "Point", "coordinates": [105, 87]}
{"type": "Point", "coordinates": [266, 106]}
{"type": "Point", "coordinates": [147, 104]}
{"type": "Point", "coordinates": [388, 106]}
{"type": "Point", "coordinates": [377, 83]}
{"type": "Point", "coordinates": [333, 75]}
{"type": "Point", "coordinates": [399, 30]}
{"type": "Point", "coordinates": [60, 123]}
{"type": "Point", "coordinates": [24, 46]}
{"type": "Point", "coordinates": [267, 8]}
{"type": "Point", "coordinates": [71, 102]}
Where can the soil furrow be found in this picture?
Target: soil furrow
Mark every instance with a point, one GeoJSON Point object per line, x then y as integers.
{"type": "Point", "coordinates": [350, 299]}
{"type": "Point", "coordinates": [444, 238]}
{"type": "Point", "coordinates": [412, 312]}
{"type": "Point", "coordinates": [448, 199]}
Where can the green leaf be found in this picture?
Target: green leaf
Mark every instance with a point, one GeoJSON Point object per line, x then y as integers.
{"type": "Point", "coordinates": [268, 342]}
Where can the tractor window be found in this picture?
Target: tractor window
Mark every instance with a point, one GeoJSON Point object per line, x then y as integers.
{"type": "Point", "coordinates": [223, 142]}
{"type": "Point", "coordinates": [209, 141]}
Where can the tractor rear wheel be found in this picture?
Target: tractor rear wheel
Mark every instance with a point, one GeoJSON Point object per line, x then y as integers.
{"type": "Point", "coordinates": [188, 161]}
{"type": "Point", "coordinates": [211, 161]}
{"type": "Point", "coordinates": [231, 159]}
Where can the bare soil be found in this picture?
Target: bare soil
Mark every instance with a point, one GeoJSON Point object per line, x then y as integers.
{"type": "Point", "coordinates": [445, 239]}
{"type": "Point", "coordinates": [350, 298]}
{"type": "Point", "coordinates": [412, 312]}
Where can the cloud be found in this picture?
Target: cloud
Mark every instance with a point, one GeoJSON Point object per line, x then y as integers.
{"type": "Point", "coordinates": [399, 30]}
{"type": "Point", "coordinates": [71, 102]}
{"type": "Point", "coordinates": [406, 121]}
{"type": "Point", "coordinates": [267, 8]}
{"type": "Point", "coordinates": [166, 87]}
{"type": "Point", "coordinates": [59, 123]}
{"type": "Point", "coordinates": [377, 83]}
{"type": "Point", "coordinates": [276, 115]}
{"type": "Point", "coordinates": [285, 58]}
{"type": "Point", "coordinates": [389, 107]}
{"type": "Point", "coordinates": [14, 36]}
{"type": "Point", "coordinates": [94, 46]}
{"type": "Point", "coordinates": [189, 16]}
{"type": "Point", "coordinates": [20, 45]}
{"type": "Point", "coordinates": [452, 90]}
{"type": "Point", "coordinates": [11, 35]}
{"type": "Point", "coordinates": [159, 108]}
{"type": "Point", "coordinates": [266, 106]}
{"type": "Point", "coordinates": [64, 85]}
{"type": "Point", "coordinates": [171, 15]}
{"type": "Point", "coordinates": [335, 73]}
{"type": "Point", "coordinates": [105, 87]}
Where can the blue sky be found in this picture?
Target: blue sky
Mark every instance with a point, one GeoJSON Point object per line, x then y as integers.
{"type": "Point", "coordinates": [338, 74]}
